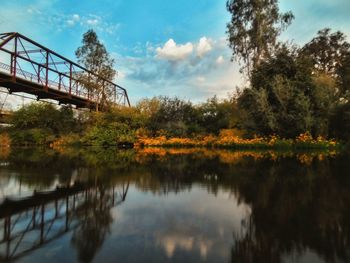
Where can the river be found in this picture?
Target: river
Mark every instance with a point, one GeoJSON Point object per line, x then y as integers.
{"type": "Point", "coordinates": [173, 205]}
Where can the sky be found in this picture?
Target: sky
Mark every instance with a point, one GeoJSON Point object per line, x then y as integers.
{"type": "Point", "coordinates": [161, 47]}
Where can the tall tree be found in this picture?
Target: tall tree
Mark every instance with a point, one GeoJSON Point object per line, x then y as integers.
{"type": "Point", "coordinates": [327, 51]}
{"type": "Point", "coordinates": [94, 56]}
{"type": "Point", "coordinates": [279, 100]}
{"type": "Point", "coordinates": [253, 30]}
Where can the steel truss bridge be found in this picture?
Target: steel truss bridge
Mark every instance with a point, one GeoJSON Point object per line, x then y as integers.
{"type": "Point", "coordinates": [28, 67]}
{"type": "Point", "coordinates": [29, 223]}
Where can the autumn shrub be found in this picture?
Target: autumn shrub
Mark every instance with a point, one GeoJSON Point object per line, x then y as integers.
{"type": "Point", "coordinates": [5, 139]}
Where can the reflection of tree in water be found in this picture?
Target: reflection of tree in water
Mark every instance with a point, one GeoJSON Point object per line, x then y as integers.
{"type": "Point", "coordinates": [94, 224]}
{"type": "Point", "coordinates": [295, 209]}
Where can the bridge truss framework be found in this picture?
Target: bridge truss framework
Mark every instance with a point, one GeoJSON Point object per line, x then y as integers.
{"type": "Point", "coordinates": [28, 67]}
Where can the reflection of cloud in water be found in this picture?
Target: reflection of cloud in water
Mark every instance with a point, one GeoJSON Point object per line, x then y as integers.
{"type": "Point", "coordinates": [172, 242]}
{"type": "Point", "coordinates": [193, 222]}
{"type": "Point", "coordinates": [194, 225]}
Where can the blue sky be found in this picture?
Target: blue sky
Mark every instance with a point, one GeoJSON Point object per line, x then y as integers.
{"type": "Point", "coordinates": [161, 47]}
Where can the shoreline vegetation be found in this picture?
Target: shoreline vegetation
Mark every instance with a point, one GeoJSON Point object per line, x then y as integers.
{"type": "Point", "coordinates": [152, 123]}
{"type": "Point", "coordinates": [225, 140]}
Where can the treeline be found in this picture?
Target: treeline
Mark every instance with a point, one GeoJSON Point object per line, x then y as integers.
{"type": "Point", "coordinates": [42, 123]}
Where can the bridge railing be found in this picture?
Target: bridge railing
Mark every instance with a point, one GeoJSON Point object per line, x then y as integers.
{"type": "Point", "coordinates": [24, 58]}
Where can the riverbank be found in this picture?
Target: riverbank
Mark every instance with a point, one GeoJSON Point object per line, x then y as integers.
{"type": "Point", "coordinates": [225, 140]}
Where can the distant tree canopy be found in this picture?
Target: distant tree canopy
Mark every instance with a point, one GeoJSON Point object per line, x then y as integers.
{"type": "Point", "coordinates": [176, 117]}
{"type": "Point", "coordinates": [94, 56]}
{"type": "Point", "coordinates": [253, 30]}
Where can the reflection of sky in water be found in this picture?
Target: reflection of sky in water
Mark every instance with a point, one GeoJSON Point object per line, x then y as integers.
{"type": "Point", "coordinates": [11, 186]}
{"type": "Point", "coordinates": [193, 221]}
{"type": "Point", "coordinates": [193, 225]}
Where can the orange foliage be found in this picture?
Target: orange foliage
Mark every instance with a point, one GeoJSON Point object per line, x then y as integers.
{"type": "Point", "coordinates": [229, 138]}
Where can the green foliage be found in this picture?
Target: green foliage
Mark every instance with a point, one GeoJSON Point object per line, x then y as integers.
{"type": "Point", "coordinates": [324, 98]}
{"type": "Point", "coordinates": [39, 123]}
{"type": "Point", "coordinates": [215, 115]}
{"type": "Point", "coordinates": [115, 127]}
{"type": "Point", "coordinates": [340, 122]}
{"type": "Point", "coordinates": [179, 118]}
{"type": "Point", "coordinates": [279, 101]}
{"type": "Point", "coordinates": [344, 74]}
{"type": "Point", "coordinates": [44, 116]}
{"type": "Point", "coordinates": [175, 116]}
{"type": "Point", "coordinates": [291, 90]}
{"type": "Point", "coordinates": [34, 136]}
{"type": "Point", "coordinates": [110, 134]}
{"type": "Point", "coordinates": [253, 30]}
{"type": "Point", "coordinates": [299, 90]}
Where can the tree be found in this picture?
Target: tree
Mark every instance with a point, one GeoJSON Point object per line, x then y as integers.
{"type": "Point", "coordinates": [253, 30]}
{"type": "Point", "coordinates": [215, 115]}
{"type": "Point", "coordinates": [327, 51]}
{"type": "Point", "coordinates": [280, 98]}
{"type": "Point", "coordinates": [94, 56]}
{"type": "Point", "coordinates": [44, 116]}
{"type": "Point", "coordinates": [148, 107]}
{"type": "Point", "coordinates": [174, 116]}
{"type": "Point", "coordinates": [340, 122]}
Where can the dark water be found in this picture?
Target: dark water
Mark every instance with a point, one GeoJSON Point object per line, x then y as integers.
{"type": "Point", "coordinates": [154, 205]}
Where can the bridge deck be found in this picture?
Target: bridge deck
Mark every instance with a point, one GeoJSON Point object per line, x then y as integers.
{"type": "Point", "coordinates": [19, 84]}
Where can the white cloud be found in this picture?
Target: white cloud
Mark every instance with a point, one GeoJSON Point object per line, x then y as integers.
{"type": "Point", "coordinates": [33, 11]}
{"type": "Point", "coordinates": [201, 79]}
{"type": "Point", "coordinates": [220, 60]}
{"type": "Point", "coordinates": [174, 52]}
{"type": "Point", "coordinates": [121, 74]}
{"type": "Point", "coordinates": [204, 46]}
{"type": "Point", "coordinates": [76, 17]}
{"type": "Point", "coordinates": [73, 19]}
{"type": "Point", "coordinates": [70, 22]}
{"type": "Point", "coordinates": [92, 22]}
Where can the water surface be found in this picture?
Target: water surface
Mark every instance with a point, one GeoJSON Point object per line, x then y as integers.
{"type": "Point", "coordinates": [180, 205]}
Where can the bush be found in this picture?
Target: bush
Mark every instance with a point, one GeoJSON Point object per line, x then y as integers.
{"type": "Point", "coordinates": [109, 135]}
{"type": "Point", "coordinates": [35, 136]}
{"type": "Point", "coordinates": [44, 116]}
